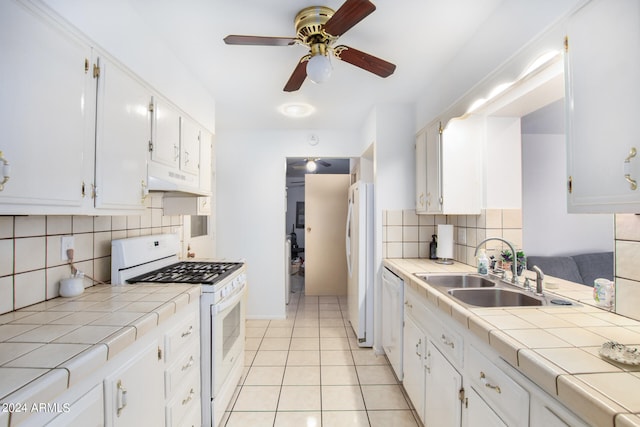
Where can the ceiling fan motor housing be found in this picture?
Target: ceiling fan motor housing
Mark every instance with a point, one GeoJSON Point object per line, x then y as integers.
{"type": "Point", "coordinates": [309, 24]}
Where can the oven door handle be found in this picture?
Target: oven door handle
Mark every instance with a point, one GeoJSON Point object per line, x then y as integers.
{"type": "Point", "coordinates": [230, 300]}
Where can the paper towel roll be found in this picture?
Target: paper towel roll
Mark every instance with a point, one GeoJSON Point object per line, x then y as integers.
{"type": "Point", "coordinates": [445, 241]}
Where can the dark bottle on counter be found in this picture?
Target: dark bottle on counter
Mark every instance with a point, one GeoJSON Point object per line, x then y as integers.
{"type": "Point", "coordinates": [433, 246]}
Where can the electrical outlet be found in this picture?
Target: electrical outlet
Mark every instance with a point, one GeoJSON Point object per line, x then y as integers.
{"type": "Point", "coordinates": [65, 244]}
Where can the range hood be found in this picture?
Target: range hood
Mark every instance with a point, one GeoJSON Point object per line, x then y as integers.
{"type": "Point", "coordinates": [165, 178]}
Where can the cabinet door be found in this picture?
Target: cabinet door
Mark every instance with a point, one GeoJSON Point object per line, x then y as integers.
{"type": "Point", "coordinates": [603, 100]}
{"type": "Point", "coordinates": [434, 168]}
{"type": "Point", "coordinates": [47, 110]}
{"type": "Point", "coordinates": [189, 147]}
{"type": "Point", "coordinates": [206, 161]}
{"type": "Point", "coordinates": [478, 413]}
{"type": "Point", "coordinates": [443, 383]}
{"type": "Point", "coordinates": [421, 172]}
{"type": "Point", "coordinates": [134, 394]}
{"type": "Point", "coordinates": [461, 158]}
{"type": "Point", "coordinates": [122, 139]}
{"type": "Point", "coordinates": [166, 135]}
{"type": "Point", "coordinates": [413, 364]}
{"type": "Point", "coordinates": [88, 411]}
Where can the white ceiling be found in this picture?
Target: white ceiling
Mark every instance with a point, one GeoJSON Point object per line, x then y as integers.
{"type": "Point", "coordinates": [419, 36]}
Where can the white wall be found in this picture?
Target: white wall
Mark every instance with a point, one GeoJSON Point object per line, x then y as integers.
{"type": "Point", "coordinates": [547, 228]}
{"type": "Point", "coordinates": [391, 127]}
{"type": "Point", "coordinates": [251, 176]}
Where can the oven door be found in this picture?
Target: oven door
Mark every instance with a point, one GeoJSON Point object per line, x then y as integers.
{"type": "Point", "coordinates": [228, 334]}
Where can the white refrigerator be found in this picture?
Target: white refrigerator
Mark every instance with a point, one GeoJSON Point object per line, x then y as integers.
{"type": "Point", "coordinates": [359, 248]}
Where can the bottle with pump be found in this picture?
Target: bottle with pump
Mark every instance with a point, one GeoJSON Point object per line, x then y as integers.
{"type": "Point", "coordinates": [433, 246]}
{"type": "Point", "coordinates": [483, 263]}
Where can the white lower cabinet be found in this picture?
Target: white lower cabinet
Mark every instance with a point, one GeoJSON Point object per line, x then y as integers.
{"type": "Point", "coordinates": [478, 412]}
{"type": "Point", "coordinates": [134, 392]}
{"type": "Point", "coordinates": [453, 378]}
{"type": "Point", "coordinates": [413, 364]}
{"type": "Point", "coordinates": [442, 390]}
{"type": "Point", "coordinates": [87, 411]}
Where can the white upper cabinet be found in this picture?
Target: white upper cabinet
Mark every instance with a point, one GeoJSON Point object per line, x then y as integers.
{"type": "Point", "coordinates": [603, 102]}
{"type": "Point", "coordinates": [175, 150]}
{"type": "Point", "coordinates": [47, 109]}
{"type": "Point", "coordinates": [122, 139]}
{"type": "Point", "coordinates": [429, 169]}
{"type": "Point", "coordinates": [166, 135]}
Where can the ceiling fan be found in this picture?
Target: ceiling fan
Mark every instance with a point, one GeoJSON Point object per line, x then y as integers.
{"type": "Point", "coordinates": [318, 28]}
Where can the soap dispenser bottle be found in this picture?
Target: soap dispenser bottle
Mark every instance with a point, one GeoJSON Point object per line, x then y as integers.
{"type": "Point", "coordinates": [433, 246]}
{"type": "Point", "coordinates": [483, 263]}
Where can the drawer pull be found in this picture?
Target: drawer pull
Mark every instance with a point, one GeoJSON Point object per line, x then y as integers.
{"type": "Point", "coordinates": [189, 398]}
{"type": "Point", "coordinates": [447, 341]}
{"type": "Point", "coordinates": [189, 364]}
{"type": "Point", "coordinates": [121, 397]}
{"type": "Point", "coordinates": [483, 377]}
{"type": "Point", "coordinates": [189, 332]}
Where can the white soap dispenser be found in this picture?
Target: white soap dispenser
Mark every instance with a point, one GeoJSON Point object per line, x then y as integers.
{"type": "Point", "coordinates": [483, 263]}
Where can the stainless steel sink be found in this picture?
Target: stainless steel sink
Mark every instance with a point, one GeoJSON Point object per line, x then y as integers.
{"type": "Point", "coordinates": [496, 297]}
{"type": "Point", "coordinates": [456, 280]}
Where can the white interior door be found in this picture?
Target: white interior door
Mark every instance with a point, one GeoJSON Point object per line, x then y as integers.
{"type": "Point", "coordinates": [325, 214]}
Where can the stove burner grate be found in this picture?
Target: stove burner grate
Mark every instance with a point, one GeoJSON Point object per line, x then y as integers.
{"type": "Point", "coordinates": [207, 273]}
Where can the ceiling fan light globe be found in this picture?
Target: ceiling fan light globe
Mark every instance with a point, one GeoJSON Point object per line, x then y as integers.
{"type": "Point", "coordinates": [311, 166]}
{"type": "Point", "coordinates": [319, 68]}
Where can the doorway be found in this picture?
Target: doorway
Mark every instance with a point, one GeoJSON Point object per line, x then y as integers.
{"type": "Point", "coordinates": [296, 219]}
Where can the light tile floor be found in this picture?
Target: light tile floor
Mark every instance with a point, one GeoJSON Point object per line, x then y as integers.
{"type": "Point", "coordinates": [308, 371]}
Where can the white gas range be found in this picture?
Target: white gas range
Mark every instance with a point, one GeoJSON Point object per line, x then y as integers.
{"type": "Point", "coordinates": [154, 259]}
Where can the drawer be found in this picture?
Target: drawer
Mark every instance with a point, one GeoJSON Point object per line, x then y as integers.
{"type": "Point", "coordinates": [414, 307]}
{"type": "Point", "coordinates": [506, 397]}
{"type": "Point", "coordinates": [185, 401]}
{"type": "Point", "coordinates": [449, 342]}
{"type": "Point", "coordinates": [185, 364]}
{"type": "Point", "coordinates": [182, 335]}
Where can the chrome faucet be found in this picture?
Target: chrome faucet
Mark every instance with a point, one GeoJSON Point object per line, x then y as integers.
{"type": "Point", "coordinates": [514, 264]}
{"type": "Point", "coordinates": [539, 279]}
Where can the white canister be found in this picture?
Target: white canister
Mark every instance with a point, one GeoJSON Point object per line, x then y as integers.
{"type": "Point", "coordinates": [603, 292]}
{"type": "Point", "coordinates": [71, 287]}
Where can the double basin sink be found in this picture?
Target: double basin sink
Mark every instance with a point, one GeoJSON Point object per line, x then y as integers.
{"type": "Point", "coordinates": [481, 291]}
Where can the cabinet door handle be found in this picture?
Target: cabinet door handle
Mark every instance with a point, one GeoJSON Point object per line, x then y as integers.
{"type": "Point", "coordinates": [188, 332]}
{"type": "Point", "coordinates": [418, 345]}
{"type": "Point", "coordinates": [6, 170]}
{"type": "Point", "coordinates": [121, 397]}
{"type": "Point", "coordinates": [407, 304]}
{"type": "Point", "coordinates": [627, 166]}
{"type": "Point", "coordinates": [487, 384]}
{"type": "Point", "coordinates": [189, 364]}
{"type": "Point", "coordinates": [447, 341]}
{"type": "Point", "coordinates": [176, 153]}
{"type": "Point", "coordinates": [189, 397]}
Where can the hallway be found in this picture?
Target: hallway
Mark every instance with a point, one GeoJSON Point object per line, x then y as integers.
{"type": "Point", "coordinates": [307, 371]}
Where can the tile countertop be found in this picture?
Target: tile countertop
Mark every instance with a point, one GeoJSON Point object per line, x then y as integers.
{"type": "Point", "coordinates": [554, 346]}
{"type": "Point", "coordinates": [50, 346]}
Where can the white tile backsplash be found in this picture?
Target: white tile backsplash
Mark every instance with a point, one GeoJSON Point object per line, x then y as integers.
{"type": "Point", "coordinates": [403, 239]}
{"type": "Point", "coordinates": [30, 262]}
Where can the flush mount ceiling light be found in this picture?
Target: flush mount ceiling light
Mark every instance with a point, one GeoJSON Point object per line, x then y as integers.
{"type": "Point", "coordinates": [297, 109]}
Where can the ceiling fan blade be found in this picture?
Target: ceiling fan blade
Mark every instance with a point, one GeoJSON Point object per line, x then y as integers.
{"type": "Point", "coordinates": [259, 40]}
{"type": "Point", "coordinates": [365, 61]}
{"type": "Point", "coordinates": [323, 163]}
{"type": "Point", "coordinates": [349, 14]}
{"type": "Point", "coordinates": [298, 75]}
